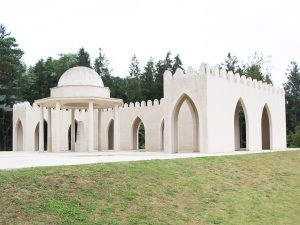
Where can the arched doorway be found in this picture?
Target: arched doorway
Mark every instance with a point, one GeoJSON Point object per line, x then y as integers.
{"type": "Point", "coordinates": [19, 137]}
{"type": "Point", "coordinates": [69, 135]}
{"type": "Point", "coordinates": [265, 129]}
{"type": "Point", "coordinates": [185, 126]}
{"type": "Point", "coordinates": [37, 136]}
{"type": "Point", "coordinates": [240, 127]}
{"type": "Point", "coordinates": [138, 135]}
{"type": "Point", "coordinates": [110, 135]}
{"type": "Point", "coordinates": [162, 133]}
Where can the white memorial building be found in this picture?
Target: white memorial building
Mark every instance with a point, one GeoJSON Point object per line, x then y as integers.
{"type": "Point", "coordinates": [201, 111]}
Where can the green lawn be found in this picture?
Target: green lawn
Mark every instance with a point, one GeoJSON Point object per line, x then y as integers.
{"type": "Point", "coordinates": [247, 189]}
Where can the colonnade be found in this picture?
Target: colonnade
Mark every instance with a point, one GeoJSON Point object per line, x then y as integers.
{"type": "Point", "coordinates": [53, 138]}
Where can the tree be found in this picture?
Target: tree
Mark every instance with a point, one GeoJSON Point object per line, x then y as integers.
{"type": "Point", "coordinates": [257, 67]}
{"type": "Point", "coordinates": [294, 138]}
{"type": "Point", "coordinates": [161, 67]}
{"type": "Point", "coordinates": [11, 68]}
{"type": "Point", "coordinates": [101, 67]}
{"type": "Point", "coordinates": [147, 80]}
{"type": "Point", "coordinates": [83, 58]}
{"type": "Point", "coordinates": [134, 68]}
{"type": "Point", "coordinates": [177, 63]}
{"type": "Point", "coordinates": [292, 94]}
{"type": "Point", "coordinates": [231, 63]}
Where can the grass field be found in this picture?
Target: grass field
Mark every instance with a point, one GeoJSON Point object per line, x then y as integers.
{"type": "Point", "coordinates": [246, 189]}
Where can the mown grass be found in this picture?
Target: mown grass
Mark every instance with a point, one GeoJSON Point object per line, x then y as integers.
{"type": "Point", "coordinates": [248, 189]}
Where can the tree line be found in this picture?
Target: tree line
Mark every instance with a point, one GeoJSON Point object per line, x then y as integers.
{"type": "Point", "coordinates": [21, 83]}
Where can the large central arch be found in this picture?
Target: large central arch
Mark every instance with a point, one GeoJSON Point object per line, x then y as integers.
{"type": "Point", "coordinates": [195, 121]}
{"type": "Point", "coordinates": [241, 127]}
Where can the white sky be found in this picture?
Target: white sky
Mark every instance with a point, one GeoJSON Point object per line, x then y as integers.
{"type": "Point", "coordinates": [200, 31]}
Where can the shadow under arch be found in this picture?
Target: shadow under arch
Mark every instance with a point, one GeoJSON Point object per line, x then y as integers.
{"type": "Point", "coordinates": [110, 135]}
{"type": "Point", "coordinates": [69, 135]}
{"type": "Point", "coordinates": [266, 128]}
{"type": "Point", "coordinates": [19, 135]}
{"type": "Point", "coordinates": [135, 133]}
{"type": "Point", "coordinates": [241, 126]}
{"type": "Point", "coordinates": [174, 123]}
{"type": "Point", "coordinates": [162, 135]}
{"type": "Point", "coordinates": [37, 136]}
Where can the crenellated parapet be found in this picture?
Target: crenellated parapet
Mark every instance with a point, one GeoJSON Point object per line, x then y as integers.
{"type": "Point", "coordinates": [221, 73]}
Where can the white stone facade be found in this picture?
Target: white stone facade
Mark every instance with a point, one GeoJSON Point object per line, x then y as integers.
{"type": "Point", "coordinates": [199, 113]}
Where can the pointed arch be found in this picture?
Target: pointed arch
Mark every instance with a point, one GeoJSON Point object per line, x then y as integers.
{"type": "Point", "coordinates": [266, 128]}
{"type": "Point", "coordinates": [162, 135]}
{"type": "Point", "coordinates": [195, 122]}
{"type": "Point", "coordinates": [135, 133]}
{"type": "Point", "coordinates": [37, 135]}
{"type": "Point", "coordinates": [110, 135]}
{"type": "Point", "coordinates": [241, 126]}
{"type": "Point", "coordinates": [19, 136]}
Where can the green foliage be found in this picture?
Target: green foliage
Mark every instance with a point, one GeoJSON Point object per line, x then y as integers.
{"type": "Point", "coordinates": [83, 58]}
{"type": "Point", "coordinates": [294, 138]}
{"type": "Point", "coordinates": [141, 136]}
{"type": "Point", "coordinates": [292, 95]}
{"type": "Point", "coordinates": [257, 67]}
{"type": "Point", "coordinates": [11, 69]}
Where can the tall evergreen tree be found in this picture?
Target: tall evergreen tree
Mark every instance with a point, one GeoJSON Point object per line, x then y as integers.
{"type": "Point", "coordinates": [177, 63]}
{"type": "Point", "coordinates": [134, 68]}
{"type": "Point", "coordinates": [161, 67]}
{"type": "Point", "coordinates": [231, 63]}
{"type": "Point", "coordinates": [11, 68]}
{"type": "Point", "coordinates": [101, 67]}
{"type": "Point", "coordinates": [83, 58]}
{"type": "Point", "coordinates": [292, 94]}
{"type": "Point", "coordinates": [147, 80]}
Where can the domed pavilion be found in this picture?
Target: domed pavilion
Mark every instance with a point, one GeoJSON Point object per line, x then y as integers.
{"type": "Point", "coordinates": [78, 88]}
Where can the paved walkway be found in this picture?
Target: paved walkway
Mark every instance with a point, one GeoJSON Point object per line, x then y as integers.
{"type": "Point", "coordinates": [16, 160]}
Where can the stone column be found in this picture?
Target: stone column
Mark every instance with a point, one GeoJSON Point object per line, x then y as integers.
{"type": "Point", "coordinates": [116, 128]}
{"type": "Point", "coordinates": [99, 129]}
{"type": "Point", "coordinates": [72, 130]}
{"type": "Point", "coordinates": [56, 135]}
{"type": "Point", "coordinates": [41, 129]}
{"type": "Point", "coordinates": [91, 127]}
{"type": "Point", "coordinates": [49, 131]}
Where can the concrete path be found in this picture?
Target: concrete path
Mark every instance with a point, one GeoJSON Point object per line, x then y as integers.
{"type": "Point", "coordinates": [16, 160]}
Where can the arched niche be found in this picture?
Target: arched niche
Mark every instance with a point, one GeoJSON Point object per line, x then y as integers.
{"type": "Point", "coordinates": [266, 128]}
{"type": "Point", "coordinates": [241, 127]}
{"type": "Point", "coordinates": [192, 130]}
{"type": "Point", "coordinates": [37, 136]}
{"type": "Point", "coordinates": [138, 137]}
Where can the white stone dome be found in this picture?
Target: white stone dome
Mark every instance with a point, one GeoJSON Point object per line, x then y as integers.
{"type": "Point", "coordinates": [80, 75]}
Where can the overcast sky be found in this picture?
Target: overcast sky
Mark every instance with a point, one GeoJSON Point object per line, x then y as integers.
{"type": "Point", "coordinates": [200, 31]}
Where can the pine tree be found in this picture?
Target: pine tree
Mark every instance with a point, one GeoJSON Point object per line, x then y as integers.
{"type": "Point", "coordinates": [177, 63]}
{"type": "Point", "coordinates": [147, 80]}
{"type": "Point", "coordinates": [101, 67]}
{"type": "Point", "coordinates": [134, 68]}
{"type": "Point", "coordinates": [11, 69]}
{"type": "Point", "coordinates": [292, 95]}
{"type": "Point", "coordinates": [231, 63]}
{"type": "Point", "coordinates": [83, 58]}
{"type": "Point", "coordinates": [161, 67]}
